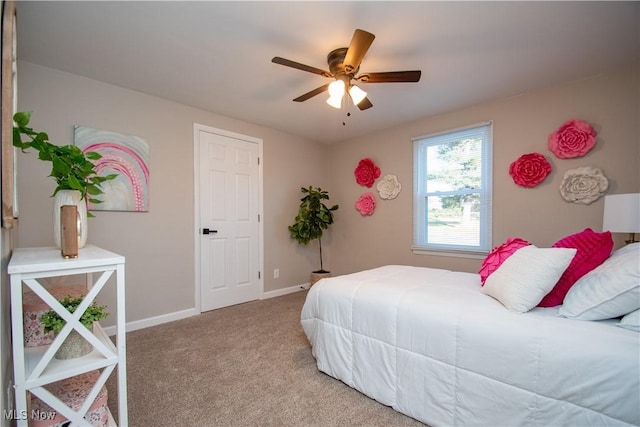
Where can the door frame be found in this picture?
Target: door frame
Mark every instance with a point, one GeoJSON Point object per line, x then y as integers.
{"type": "Point", "coordinates": [197, 127]}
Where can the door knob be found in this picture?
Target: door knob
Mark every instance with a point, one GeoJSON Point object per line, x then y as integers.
{"type": "Point", "coordinates": [207, 231]}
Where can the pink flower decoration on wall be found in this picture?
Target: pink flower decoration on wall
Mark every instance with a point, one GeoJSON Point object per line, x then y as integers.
{"type": "Point", "coordinates": [366, 204]}
{"type": "Point", "coordinates": [530, 169]}
{"type": "Point", "coordinates": [366, 172]}
{"type": "Point", "coordinates": [574, 138]}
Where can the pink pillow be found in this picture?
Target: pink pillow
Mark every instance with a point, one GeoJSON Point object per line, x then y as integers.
{"type": "Point", "coordinates": [593, 249]}
{"type": "Point", "coordinates": [498, 254]}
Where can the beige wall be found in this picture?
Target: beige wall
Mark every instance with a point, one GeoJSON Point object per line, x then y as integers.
{"type": "Point", "coordinates": [522, 124]}
{"type": "Point", "coordinates": [159, 245]}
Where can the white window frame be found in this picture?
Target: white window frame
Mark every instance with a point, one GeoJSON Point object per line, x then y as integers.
{"type": "Point", "coordinates": [420, 235]}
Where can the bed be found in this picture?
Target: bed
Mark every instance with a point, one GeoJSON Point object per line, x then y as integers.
{"type": "Point", "coordinates": [430, 344]}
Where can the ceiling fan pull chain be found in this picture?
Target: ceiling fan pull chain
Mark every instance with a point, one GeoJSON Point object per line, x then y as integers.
{"type": "Point", "coordinates": [348, 115]}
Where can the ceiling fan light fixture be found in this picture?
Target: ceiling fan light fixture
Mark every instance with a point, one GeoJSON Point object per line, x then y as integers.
{"type": "Point", "coordinates": [357, 94]}
{"type": "Point", "coordinates": [335, 101]}
{"type": "Point", "coordinates": [336, 92]}
{"type": "Point", "coordinates": [336, 89]}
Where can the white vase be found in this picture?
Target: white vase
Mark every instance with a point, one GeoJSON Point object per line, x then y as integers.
{"type": "Point", "coordinates": [70, 197]}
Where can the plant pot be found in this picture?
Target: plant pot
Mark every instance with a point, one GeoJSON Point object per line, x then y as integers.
{"type": "Point", "coordinates": [70, 197]}
{"type": "Point", "coordinates": [73, 346]}
{"type": "Point", "coordinates": [317, 275]}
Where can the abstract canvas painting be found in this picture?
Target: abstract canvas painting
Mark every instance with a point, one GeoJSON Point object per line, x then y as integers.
{"type": "Point", "coordinates": [124, 155]}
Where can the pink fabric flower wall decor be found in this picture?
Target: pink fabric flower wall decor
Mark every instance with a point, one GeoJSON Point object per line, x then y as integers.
{"type": "Point", "coordinates": [366, 204]}
{"type": "Point", "coordinates": [366, 172]}
{"type": "Point", "coordinates": [498, 254]}
{"type": "Point", "coordinates": [530, 169]}
{"type": "Point", "coordinates": [574, 138]}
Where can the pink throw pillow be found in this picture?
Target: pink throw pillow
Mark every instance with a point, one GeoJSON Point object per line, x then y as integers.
{"type": "Point", "coordinates": [593, 249]}
{"type": "Point", "coordinates": [498, 254]}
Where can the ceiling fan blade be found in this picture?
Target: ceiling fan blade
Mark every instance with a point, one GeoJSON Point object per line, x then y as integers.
{"type": "Point", "coordinates": [311, 94]}
{"type": "Point", "coordinates": [358, 47]}
{"type": "Point", "coordinates": [365, 104]}
{"type": "Point", "coordinates": [390, 77]}
{"type": "Point", "coordinates": [299, 66]}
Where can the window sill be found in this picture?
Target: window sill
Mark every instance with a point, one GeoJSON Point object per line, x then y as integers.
{"type": "Point", "coordinates": [451, 254]}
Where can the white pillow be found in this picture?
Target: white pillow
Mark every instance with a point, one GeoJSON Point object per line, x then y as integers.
{"type": "Point", "coordinates": [631, 321]}
{"type": "Point", "coordinates": [610, 290]}
{"type": "Point", "coordinates": [527, 276]}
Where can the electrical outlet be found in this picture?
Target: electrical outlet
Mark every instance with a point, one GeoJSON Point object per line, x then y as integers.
{"type": "Point", "coordinates": [276, 273]}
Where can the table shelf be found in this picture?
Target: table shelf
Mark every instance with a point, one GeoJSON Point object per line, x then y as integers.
{"type": "Point", "coordinates": [57, 369]}
{"type": "Point", "coordinates": [35, 367]}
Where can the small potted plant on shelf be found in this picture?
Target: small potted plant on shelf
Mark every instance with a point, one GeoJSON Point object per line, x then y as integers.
{"type": "Point", "coordinates": [73, 171]}
{"type": "Point", "coordinates": [312, 219]}
{"type": "Point", "coordinates": [74, 345]}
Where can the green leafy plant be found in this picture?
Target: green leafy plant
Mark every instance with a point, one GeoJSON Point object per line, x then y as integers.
{"type": "Point", "coordinates": [70, 167]}
{"type": "Point", "coordinates": [312, 219]}
{"type": "Point", "coordinates": [53, 322]}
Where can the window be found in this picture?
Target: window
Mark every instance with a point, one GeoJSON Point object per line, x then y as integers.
{"type": "Point", "coordinates": [452, 190]}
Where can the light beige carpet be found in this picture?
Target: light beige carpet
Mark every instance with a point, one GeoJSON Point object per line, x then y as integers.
{"type": "Point", "coordinates": [246, 365]}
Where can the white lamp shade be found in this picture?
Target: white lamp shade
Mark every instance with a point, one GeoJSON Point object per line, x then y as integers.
{"type": "Point", "coordinates": [622, 213]}
{"type": "Point", "coordinates": [357, 94]}
{"type": "Point", "coordinates": [335, 101]}
{"type": "Point", "coordinates": [336, 89]}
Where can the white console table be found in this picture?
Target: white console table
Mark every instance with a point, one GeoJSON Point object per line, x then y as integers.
{"type": "Point", "coordinates": [35, 367]}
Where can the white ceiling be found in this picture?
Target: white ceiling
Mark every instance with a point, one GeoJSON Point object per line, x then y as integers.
{"type": "Point", "coordinates": [216, 55]}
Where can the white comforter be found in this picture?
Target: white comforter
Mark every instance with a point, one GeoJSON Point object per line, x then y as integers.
{"type": "Point", "coordinates": [429, 344]}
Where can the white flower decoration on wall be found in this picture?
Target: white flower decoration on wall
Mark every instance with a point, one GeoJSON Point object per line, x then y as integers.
{"type": "Point", "coordinates": [583, 185]}
{"type": "Point", "coordinates": [388, 187]}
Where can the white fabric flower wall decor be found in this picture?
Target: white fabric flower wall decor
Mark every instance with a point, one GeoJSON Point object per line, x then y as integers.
{"type": "Point", "coordinates": [583, 185]}
{"type": "Point", "coordinates": [388, 187]}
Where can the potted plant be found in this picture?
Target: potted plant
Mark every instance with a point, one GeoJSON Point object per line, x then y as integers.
{"type": "Point", "coordinates": [312, 219]}
{"type": "Point", "coordinates": [76, 178]}
{"type": "Point", "coordinates": [74, 345]}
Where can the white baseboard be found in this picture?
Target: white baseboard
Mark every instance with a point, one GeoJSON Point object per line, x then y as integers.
{"type": "Point", "coordinates": [285, 291]}
{"type": "Point", "coordinates": [153, 321]}
{"type": "Point", "coordinates": [170, 317]}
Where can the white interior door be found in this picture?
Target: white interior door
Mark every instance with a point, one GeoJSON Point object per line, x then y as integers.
{"type": "Point", "coordinates": [229, 220]}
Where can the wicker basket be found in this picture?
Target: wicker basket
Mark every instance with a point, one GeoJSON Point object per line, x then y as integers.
{"type": "Point", "coordinates": [317, 276]}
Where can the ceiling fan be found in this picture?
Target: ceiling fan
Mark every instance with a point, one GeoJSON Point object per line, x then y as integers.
{"type": "Point", "coordinates": [344, 64]}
